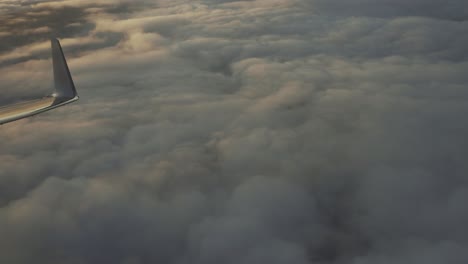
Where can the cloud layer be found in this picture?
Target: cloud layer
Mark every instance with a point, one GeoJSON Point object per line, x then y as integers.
{"type": "Point", "coordinates": [281, 131]}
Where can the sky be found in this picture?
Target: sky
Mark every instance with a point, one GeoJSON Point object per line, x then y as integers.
{"type": "Point", "coordinates": [237, 132]}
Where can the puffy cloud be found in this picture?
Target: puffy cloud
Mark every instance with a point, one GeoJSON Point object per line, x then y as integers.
{"type": "Point", "coordinates": [455, 10]}
{"type": "Point", "coordinates": [236, 132]}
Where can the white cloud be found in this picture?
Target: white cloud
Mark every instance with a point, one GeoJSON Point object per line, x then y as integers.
{"type": "Point", "coordinates": [239, 132]}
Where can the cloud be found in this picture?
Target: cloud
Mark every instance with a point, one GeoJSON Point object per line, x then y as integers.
{"type": "Point", "coordinates": [392, 8]}
{"type": "Point", "coordinates": [237, 132]}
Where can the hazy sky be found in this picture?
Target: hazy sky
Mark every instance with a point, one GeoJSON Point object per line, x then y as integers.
{"type": "Point", "coordinates": [237, 132]}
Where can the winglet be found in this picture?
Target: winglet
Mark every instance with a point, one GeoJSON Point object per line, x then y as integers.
{"type": "Point", "coordinates": [65, 91]}
{"type": "Point", "coordinates": [64, 87]}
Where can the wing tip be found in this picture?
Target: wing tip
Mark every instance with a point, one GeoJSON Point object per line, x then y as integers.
{"type": "Point", "coordinates": [63, 80]}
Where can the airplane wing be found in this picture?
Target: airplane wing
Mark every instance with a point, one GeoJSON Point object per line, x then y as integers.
{"type": "Point", "coordinates": [65, 91]}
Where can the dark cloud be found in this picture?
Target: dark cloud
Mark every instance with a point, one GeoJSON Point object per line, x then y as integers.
{"type": "Point", "coordinates": [31, 25]}
{"type": "Point", "coordinates": [238, 132]}
{"type": "Point", "coordinates": [453, 10]}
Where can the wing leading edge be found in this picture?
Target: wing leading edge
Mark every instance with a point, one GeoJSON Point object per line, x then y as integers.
{"type": "Point", "coordinates": [65, 91]}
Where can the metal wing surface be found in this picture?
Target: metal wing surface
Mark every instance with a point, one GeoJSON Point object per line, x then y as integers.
{"type": "Point", "coordinates": [65, 91]}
